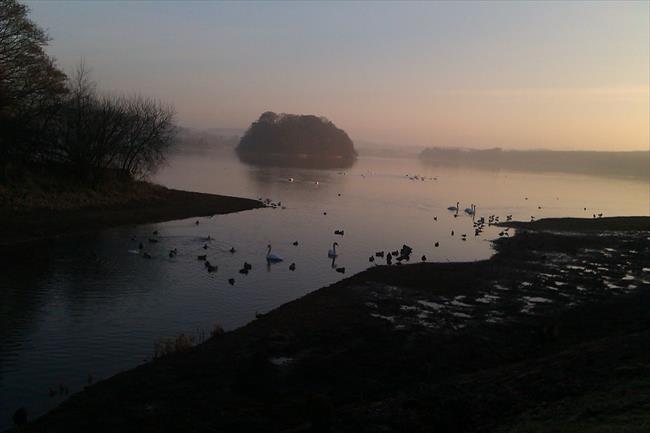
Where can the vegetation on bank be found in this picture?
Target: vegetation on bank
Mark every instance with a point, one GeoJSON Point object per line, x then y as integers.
{"type": "Point", "coordinates": [292, 136]}
{"type": "Point", "coordinates": [621, 164]}
{"type": "Point", "coordinates": [49, 119]}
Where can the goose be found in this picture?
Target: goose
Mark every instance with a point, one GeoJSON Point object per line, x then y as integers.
{"type": "Point", "coordinates": [454, 208]}
{"type": "Point", "coordinates": [272, 258]}
{"type": "Point", "coordinates": [332, 253]}
{"type": "Point", "coordinates": [292, 267]}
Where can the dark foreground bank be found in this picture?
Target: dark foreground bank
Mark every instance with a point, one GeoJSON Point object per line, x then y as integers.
{"type": "Point", "coordinates": [549, 335]}
{"type": "Point", "coordinates": [59, 213]}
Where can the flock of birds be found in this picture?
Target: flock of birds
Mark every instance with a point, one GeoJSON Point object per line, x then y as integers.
{"type": "Point", "coordinates": [399, 255]}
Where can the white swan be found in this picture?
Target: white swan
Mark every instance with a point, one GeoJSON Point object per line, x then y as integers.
{"type": "Point", "coordinates": [272, 258]}
{"type": "Point", "coordinates": [332, 253]}
{"type": "Point", "coordinates": [454, 208]}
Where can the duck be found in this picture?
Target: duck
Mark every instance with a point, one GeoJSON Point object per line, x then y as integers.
{"type": "Point", "coordinates": [231, 281]}
{"type": "Point", "coordinates": [379, 254]}
{"type": "Point", "coordinates": [437, 244]}
{"type": "Point", "coordinates": [247, 266]}
{"type": "Point", "coordinates": [339, 232]}
{"type": "Point", "coordinates": [243, 271]}
{"type": "Point", "coordinates": [371, 259]}
{"type": "Point", "coordinates": [292, 267]}
{"type": "Point", "coordinates": [153, 241]}
{"type": "Point", "coordinates": [232, 250]}
{"type": "Point", "coordinates": [424, 258]}
{"type": "Point", "coordinates": [211, 268]}
{"type": "Point", "coordinates": [295, 243]}
{"type": "Point", "coordinates": [340, 270]}
{"type": "Point", "coordinates": [272, 258]}
{"type": "Point", "coordinates": [205, 246]}
{"type": "Point", "coordinates": [203, 257]}
{"type": "Point", "coordinates": [332, 253]}
{"type": "Point", "coordinates": [146, 255]}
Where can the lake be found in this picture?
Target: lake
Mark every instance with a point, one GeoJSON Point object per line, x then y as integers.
{"type": "Point", "coordinates": [94, 308]}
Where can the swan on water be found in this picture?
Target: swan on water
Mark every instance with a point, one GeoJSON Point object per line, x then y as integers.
{"type": "Point", "coordinates": [454, 208]}
{"type": "Point", "coordinates": [332, 253]}
{"type": "Point", "coordinates": [272, 258]}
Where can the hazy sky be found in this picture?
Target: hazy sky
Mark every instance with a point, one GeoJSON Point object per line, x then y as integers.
{"type": "Point", "coordinates": [516, 75]}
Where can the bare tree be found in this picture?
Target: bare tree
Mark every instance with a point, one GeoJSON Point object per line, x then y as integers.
{"type": "Point", "coordinates": [30, 82]}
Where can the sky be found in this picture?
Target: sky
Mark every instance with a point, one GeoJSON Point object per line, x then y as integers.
{"type": "Point", "coordinates": [520, 75]}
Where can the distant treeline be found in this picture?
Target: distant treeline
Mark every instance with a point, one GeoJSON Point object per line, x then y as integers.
{"type": "Point", "coordinates": [620, 164]}
{"type": "Point", "coordinates": [190, 141]}
{"type": "Point", "coordinates": [50, 119]}
{"type": "Point", "coordinates": [294, 137]}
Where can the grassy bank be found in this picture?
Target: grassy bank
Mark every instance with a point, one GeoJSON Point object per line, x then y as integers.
{"type": "Point", "coordinates": [46, 204]}
{"type": "Point", "coordinates": [549, 335]}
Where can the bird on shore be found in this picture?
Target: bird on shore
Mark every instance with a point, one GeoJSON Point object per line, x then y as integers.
{"type": "Point", "coordinates": [271, 257]}
{"type": "Point", "coordinates": [332, 253]}
{"type": "Point", "coordinates": [340, 270]}
{"type": "Point", "coordinates": [424, 258]}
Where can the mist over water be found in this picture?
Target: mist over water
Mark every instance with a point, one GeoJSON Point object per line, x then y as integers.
{"type": "Point", "coordinates": [94, 308]}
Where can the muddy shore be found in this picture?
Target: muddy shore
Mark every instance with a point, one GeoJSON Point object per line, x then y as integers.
{"type": "Point", "coordinates": [151, 203]}
{"type": "Point", "coordinates": [551, 334]}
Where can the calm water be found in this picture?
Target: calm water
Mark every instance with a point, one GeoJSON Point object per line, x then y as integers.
{"type": "Point", "coordinates": [94, 308]}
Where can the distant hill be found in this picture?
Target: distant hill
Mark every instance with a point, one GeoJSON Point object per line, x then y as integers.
{"type": "Point", "coordinates": [296, 139]}
{"type": "Point", "coordinates": [620, 164]}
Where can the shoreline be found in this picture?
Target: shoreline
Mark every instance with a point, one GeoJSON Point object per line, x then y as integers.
{"type": "Point", "coordinates": [547, 335]}
{"type": "Point", "coordinates": [156, 204]}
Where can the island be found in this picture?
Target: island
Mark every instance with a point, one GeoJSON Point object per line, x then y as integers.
{"type": "Point", "coordinates": [296, 140]}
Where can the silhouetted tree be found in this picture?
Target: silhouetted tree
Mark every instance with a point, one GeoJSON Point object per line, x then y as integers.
{"type": "Point", "coordinates": [30, 84]}
{"type": "Point", "coordinates": [293, 135]}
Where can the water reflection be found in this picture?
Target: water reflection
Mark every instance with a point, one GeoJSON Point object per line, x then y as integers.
{"type": "Point", "coordinates": [87, 306]}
